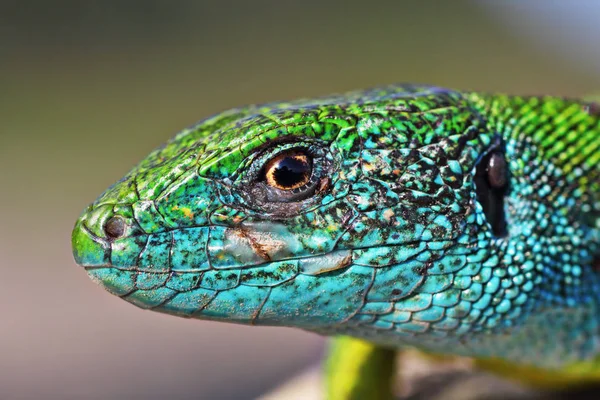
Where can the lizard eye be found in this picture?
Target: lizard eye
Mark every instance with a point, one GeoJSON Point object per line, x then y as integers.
{"type": "Point", "coordinates": [491, 184]}
{"type": "Point", "coordinates": [288, 171]}
{"type": "Point", "coordinates": [287, 174]}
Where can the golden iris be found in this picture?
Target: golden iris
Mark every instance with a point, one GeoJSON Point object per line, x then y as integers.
{"type": "Point", "coordinates": [289, 170]}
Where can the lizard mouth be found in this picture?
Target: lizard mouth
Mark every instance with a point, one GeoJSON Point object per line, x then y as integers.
{"type": "Point", "coordinates": [308, 265]}
{"type": "Point", "coordinates": [243, 273]}
{"type": "Point", "coordinates": [204, 249]}
{"type": "Point", "coordinates": [106, 238]}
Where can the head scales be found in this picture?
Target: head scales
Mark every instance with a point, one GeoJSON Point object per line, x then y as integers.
{"type": "Point", "coordinates": [393, 245]}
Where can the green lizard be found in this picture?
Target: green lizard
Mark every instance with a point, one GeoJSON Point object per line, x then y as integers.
{"type": "Point", "coordinates": [454, 222]}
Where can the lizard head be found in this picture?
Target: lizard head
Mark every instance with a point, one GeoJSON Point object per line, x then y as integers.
{"type": "Point", "coordinates": [403, 214]}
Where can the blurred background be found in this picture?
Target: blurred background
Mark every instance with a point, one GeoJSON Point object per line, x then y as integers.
{"type": "Point", "coordinates": [88, 88]}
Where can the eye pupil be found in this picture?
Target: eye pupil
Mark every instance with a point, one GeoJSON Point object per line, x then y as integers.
{"type": "Point", "coordinates": [288, 171]}
{"type": "Point", "coordinates": [114, 227]}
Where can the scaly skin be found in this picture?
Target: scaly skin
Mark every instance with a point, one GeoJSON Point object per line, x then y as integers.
{"type": "Point", "coordinates": [392, 243]}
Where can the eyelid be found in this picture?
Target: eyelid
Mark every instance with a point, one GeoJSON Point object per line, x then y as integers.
{"type": "Point", "coordinates": [275, 195]}
{"type": "Point", "coordinates": [258, 196]}
{"type": "Point", "coordinates": [263, 193]}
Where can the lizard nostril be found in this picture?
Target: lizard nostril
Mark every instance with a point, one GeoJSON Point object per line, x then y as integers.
{"type": "Point", "coordinates": [114, 227]}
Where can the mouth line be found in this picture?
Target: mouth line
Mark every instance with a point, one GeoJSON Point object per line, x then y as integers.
{"type": "Point", "coordinates": [249, 267]}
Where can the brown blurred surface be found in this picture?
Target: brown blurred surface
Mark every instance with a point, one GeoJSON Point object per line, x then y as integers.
{"type": "Point", "coordinates": [87, 89]}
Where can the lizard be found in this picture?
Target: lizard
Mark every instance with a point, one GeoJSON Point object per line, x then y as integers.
{"type": "Point", "coordinates": [454, 222]}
